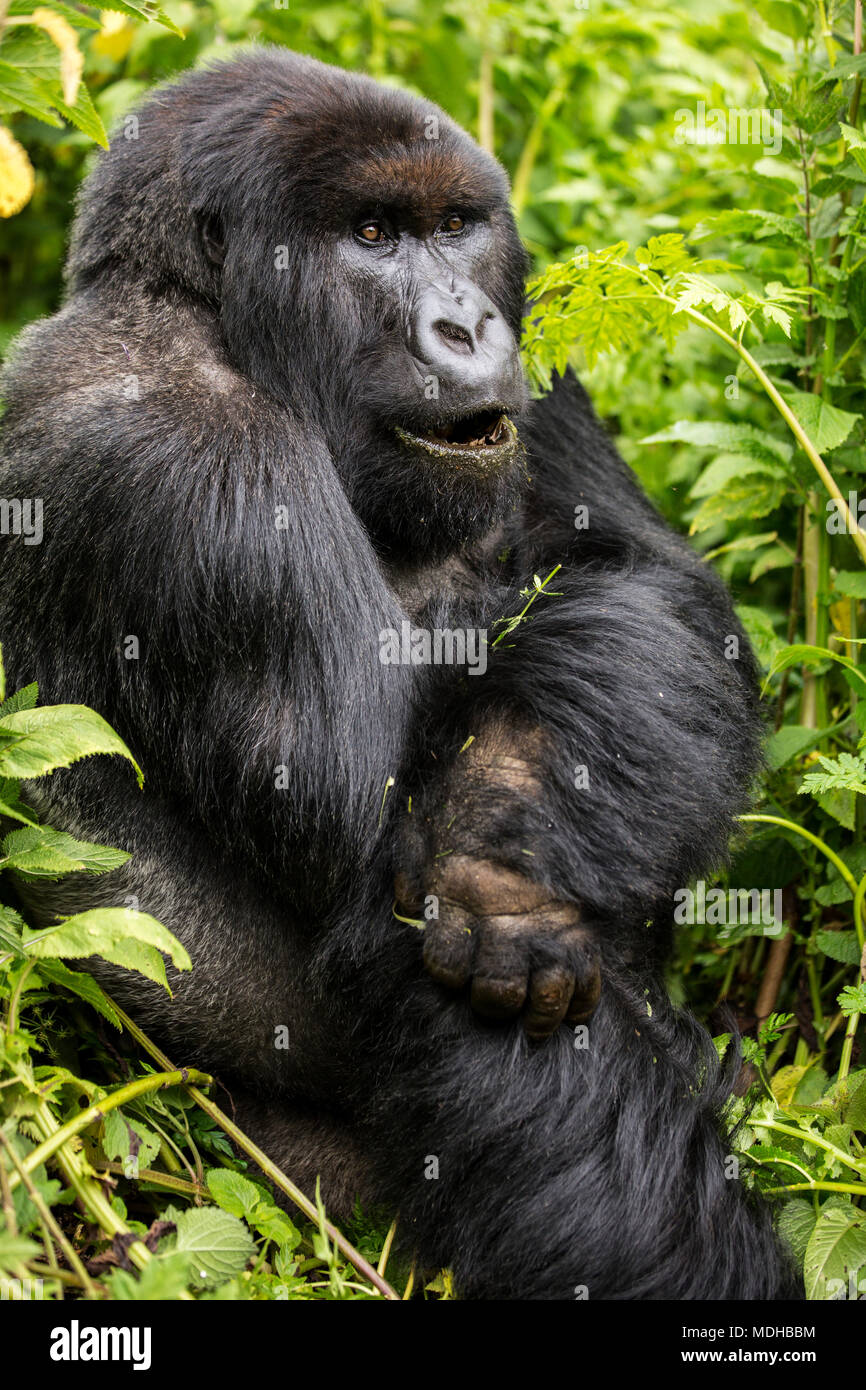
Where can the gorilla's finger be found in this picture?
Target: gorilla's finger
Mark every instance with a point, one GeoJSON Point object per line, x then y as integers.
{"type": "Point", "coordinates": [587, 990]}
{"type": "Point", "coordinates": [408, 894]}
{"type": "Point", "coordinates": [550, 992]}
{"type": "Point", "coordinates": [501, 972]}
{"type": "Point", "coordinates": [448, 948]}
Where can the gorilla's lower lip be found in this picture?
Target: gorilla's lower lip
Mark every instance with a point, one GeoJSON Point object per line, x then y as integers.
{"type": "Point", "coordinates": [487, 435]}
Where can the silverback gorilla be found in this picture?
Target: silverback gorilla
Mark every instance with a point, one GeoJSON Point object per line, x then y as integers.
{"type": "Point", "coordinates": [283, 441]}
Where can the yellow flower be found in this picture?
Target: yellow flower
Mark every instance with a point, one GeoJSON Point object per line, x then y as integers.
{"type": "Point", "coordinates": [61, 32]}
{"type": "Point", "coordinates": [16, 175]}
{"type": "Point", "coordinates": [114, 39]}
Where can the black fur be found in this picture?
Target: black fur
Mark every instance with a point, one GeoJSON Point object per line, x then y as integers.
{"type": "Point", "coordinates": [188, 391]}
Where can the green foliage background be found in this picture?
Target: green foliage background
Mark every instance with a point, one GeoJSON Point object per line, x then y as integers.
{"type": "Point", "coordinates": [725, 352]}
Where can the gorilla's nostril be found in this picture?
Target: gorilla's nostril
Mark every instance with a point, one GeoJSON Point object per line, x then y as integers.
{"type": "Point", "coordinates": [454, 334]}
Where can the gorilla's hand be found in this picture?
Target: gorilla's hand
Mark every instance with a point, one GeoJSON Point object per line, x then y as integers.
{"type": "Point", "coordinates": [518, 946]}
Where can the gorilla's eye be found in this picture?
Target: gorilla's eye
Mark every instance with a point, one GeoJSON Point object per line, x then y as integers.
{"type": "Point", "coordinates": [454, 223]}
{"type": "Point", "coordinates": [371, 232]}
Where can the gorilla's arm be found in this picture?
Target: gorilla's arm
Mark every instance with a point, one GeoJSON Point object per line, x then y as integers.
{"type": "Point", "coordinates": [615, 735]}
{"type": "Point", "coordinates": [187, 510]}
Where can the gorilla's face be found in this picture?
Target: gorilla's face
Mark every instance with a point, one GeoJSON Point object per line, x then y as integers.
{"type": "Point", "coordinates": [359, 250]}
{"type": "Point", "coordinates": [393, 321]}
{"type": "Point", "coordinates": [437, 384]}
{"type": "Point", "coordinates": [450, 363]}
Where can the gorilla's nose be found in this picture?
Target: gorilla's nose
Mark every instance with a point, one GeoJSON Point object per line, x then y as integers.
{"type": "Point", "coordinates": [461, 336]}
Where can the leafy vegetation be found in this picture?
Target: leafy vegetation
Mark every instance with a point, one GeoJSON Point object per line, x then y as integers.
{"type": "Point", "coordinates": [690, 185]}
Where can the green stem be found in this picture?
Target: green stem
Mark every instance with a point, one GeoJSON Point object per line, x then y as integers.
{"type": "Point", "coordinates": [857, 1188]}
{"type": "Point", "coordinates": [532, 144]}
{"type": "Point", "coordinates": [813, 839]}
{"type": "Point", "coordinates": [810, 1138]}
{"type": "Point", "coordinates": [485, 87]}
{"type": "Point", "coordinates": [15, 998]}
{"type": "Point", "coordinates": [47, 1218]}
{"type": "Point", "coordinates": [857, 534]}
{"type": "Point", "coordinates": [90, 1195]}
{"type": "Point", "coordinates": [156, 1082]}
{"type": "Point", "coordinates": [271, 1171]}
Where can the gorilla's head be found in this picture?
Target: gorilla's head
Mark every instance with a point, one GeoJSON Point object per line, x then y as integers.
{"type": "Point", "coordinates": [359, 251]}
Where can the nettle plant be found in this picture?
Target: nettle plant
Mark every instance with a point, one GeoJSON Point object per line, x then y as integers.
{"type": "Point", "coordinates": [781, 491]}
{"type": "Point", "coordinates": [67, 1142]}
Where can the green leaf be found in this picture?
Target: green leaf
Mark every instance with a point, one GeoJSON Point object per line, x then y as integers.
{"type": "Point", "coordinates": [56, 736]}
{"type": "Point", "coordinates": [754, 496]}
{"type": "Point", "coordinates": [217, 1244]}
{"type": "Point", "coordinates": [797, 1221]}
{"type": "Point", "coordinates": [716, 434]}
{"type": "Point", "coordinates": [163, 1279]}
{"type": "Point", "coordinates": [852, 1000]}
{"type": "Point", "coordinates": [845, 773]}
{"type": "Point", "coordinates": [836, 1246]}
{"type": "Point", "coordinates": [25, 698]}
{"type": "Point", "coordinates": [21, 92]}
{"type": "Point", "coordinates": [146, 10]}
{"type": "Point", "coordinates": [789, 742]}
{"type": "Point", "coordinates": [802, 654]}
{"type": "Point", "coordinates": [81, 984]}
{"type": "Point", "coordinates": [14, 1250]}
{"type": "Point", "coordinates": [114, 933]}
{"type": "Point", "coordinates": [726, 468]}
{"type": "Point", "coordinates": [231, 1191]}
{"type": "Point", "coordinates": [11, 931]}
{"type": "Point", "coordinates": [839, 945]}
{"type": "Point", "coordinates": [825, 424]}
{"type": "Point", "coordinates": [41, 852]}
{"type": "Point", "coordinates": [855, 144]}
{"type": "Point", "coordinates": [129, 1142]}
{"type": "Point", "coordinates": [851, 583]}
{"type": "Point", "coordinates": [760, 632]}
{"type": "Point", "coordinates": [855, 1110]}
{"type": "Point", "coordinates": [11, 804]}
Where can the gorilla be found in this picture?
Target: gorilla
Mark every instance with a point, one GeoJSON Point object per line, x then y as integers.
{"type": "Point", "coordinates": [292, 486]}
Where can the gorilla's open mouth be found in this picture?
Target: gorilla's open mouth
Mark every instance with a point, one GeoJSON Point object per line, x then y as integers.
{"type": "Point", "coordinates": [487, 436]}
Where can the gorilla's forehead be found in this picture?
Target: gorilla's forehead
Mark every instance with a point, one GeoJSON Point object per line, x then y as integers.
{"type": "Point", "coordinates": [388, 150]}
{"type": "Point", "coordinates": [414, 183]}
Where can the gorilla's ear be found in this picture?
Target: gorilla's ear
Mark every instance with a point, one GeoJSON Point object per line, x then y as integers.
{"type": "Point", "coordinates": [213, 238]}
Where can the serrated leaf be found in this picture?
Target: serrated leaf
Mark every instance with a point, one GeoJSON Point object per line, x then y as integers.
{"type": "Point", "coordinates": [839, 945]}
{"type": "Point", "coordinates": [217, 1244]}
{"type": "Point", "coordinates": [825, 424]}
{"type": "Point", "coordinates": [852, 1000]}
{"type": "Point", "coordinates": [25, 698]}
{"type": "Point", "coordinates": [760, 632]}
{"type": "Point", "coordinates": [40, 852]}
{"type": "Point", "coordinates": [726, 468]}
{"type": "Point", "coordinates": [756, 495]}
{"type": "Point", "coordinates": [796, 1223]}
{"type": "Point", "coordinates": [54, 736]}
{"type": "Point", "coordinates": [81, 984]}
{"type": "Point", "coordinates": [743, 439]}
{"type": "Point", "coordinates": [232, 1191]}
{"type": "Point", "coordinates": [803, 654]}
{"type": "Point", "coordinates": [106, 931]}
{"type": "Point", "coordinates": [129, 1141]}
{"type": "Point", "coordinates": [789, 742]}
{"type": "Point", "coordinates": [855, 1109]}
{"type": "Point", "coordinates": [163, 1279]}
{"type": "Point", "coordinates": [836, 1246]}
